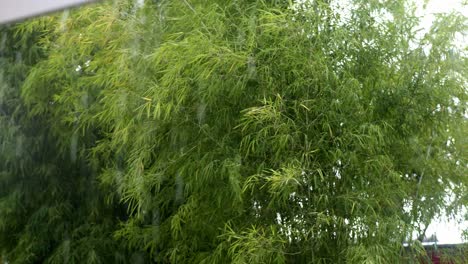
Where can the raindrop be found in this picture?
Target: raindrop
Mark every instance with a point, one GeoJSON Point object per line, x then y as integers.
{"type": "Point", "coordinates": [179, 192]}
{"type": "Point", "coordinates": [73, 146]}
{"type": "Point", "coordinates": [85, 100]}
{"type": "Point", "coordinates": [137, 258]}
{"type": "Point", "coordinates": [63, 20]}
{"type": "Point", "coordinates": [19, 57]}
{"type": "Point", "coordinates": [19, 146]}
{"type": "Point", "coordinates": [241, 37]}
{"type": "Point", "coordinates": [251, 68]}
{"type": "Point", "coordinates": [66, 249]}
{"type": "Point", "coordinates": [156, 217]}
{"type": "Point", "coordinates": [156, 222]}
{"type": "Point", "coordinates": [135, 47]}
{"type": "Point", "coordinates": [119, 176]}
{"type": "Point", "coordinates": [3, 41]}
{"type": "Point", "coordinates": [78, 68]}
{"type": "Point", "coordinates": [3, 87]}
{"type": "Point", "coordinates": [140, 4]}
{"type": "Point", "coordinates": [201, 113]}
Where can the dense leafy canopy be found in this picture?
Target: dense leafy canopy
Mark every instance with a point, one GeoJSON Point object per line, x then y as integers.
{"type": "Point", "coordinates": [229, 132]}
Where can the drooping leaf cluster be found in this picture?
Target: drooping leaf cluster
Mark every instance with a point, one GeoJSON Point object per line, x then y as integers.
{"type": "Point", "coordinates": [229, 132]}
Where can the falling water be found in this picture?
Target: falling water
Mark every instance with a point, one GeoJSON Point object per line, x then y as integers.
{"type": "Point", "coordinates": [19, 146]}
{"type": "Point", "coordinates": [18, 57]}
{"type": "Point", "coordinates": [156, 222]}
{"type": "Point", "coordinates": [2, 84]}
{"type": "Point", "coordinates": [73, 146]}
{"type": "Point", "coordinates": [179, 192]}
{"type": "Point", "coordinates": [119, 176]}
{"type": "Point", "coordinates": [139, 18]}
{"type": "Point", "coordinates": [201, 113]}
{"type": "Point", "coordinates": [3, 87]}
{"type": "Point", "coordinates": [85, 99]}
{"type": "Point", "coordinates": [137, 258]}
{"type": "Point", "coordinates": [3, 41]}
{"type": "Point", "coordinates": [140, 4]}
{"type": "Point", "coordinates": [63, 20]}
{"type": "Point", "coordinates": [66, 249]}
{"type": "Point", "coordinates": [251, 68]}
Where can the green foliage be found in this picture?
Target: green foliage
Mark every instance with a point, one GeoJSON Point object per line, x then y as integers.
{"type": "Point", "coordinates": [228, 132]}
